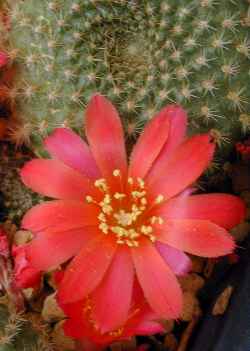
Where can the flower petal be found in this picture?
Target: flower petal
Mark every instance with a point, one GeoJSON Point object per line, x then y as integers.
{"type": "Point", "coordinates": [197, 237]}
{"type": "Point", "coordinates": [158, 282]}
{"type": "Point", "coordinates": [105, 136]}
{"type": "Point", "coordinates": [87, 269]}
{"type": "Point", "coordinates": [54, 179]}
{"type": "Point", "coordinates": [51, 249]}
{"type": "Point", "coordinates": [144, 323]}
{"type": "Point", "coordinates": [60, 215]}
{"type": "Point", "coordinates": [66, 146]}
{"type": "Point", "coordinates": [222, 209]}
{"type": "Point", "coordinates": [186, 164]}
{"type": "Point", "coordinates": [4, 58]}
{"type": "Point", "coordinates": [177, 132]}
{"type": "Point", "coordinates": [149, 144]}
{"type": "Point", "coordinates": [24, 275]}
{"type": "Point", "coordinates": [111, 299]}
{"type": "Point", "coordinates": [177, 260]}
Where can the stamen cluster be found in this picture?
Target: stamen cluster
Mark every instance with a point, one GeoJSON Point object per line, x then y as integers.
{"type": "Point", "coordinates": [126, 214]}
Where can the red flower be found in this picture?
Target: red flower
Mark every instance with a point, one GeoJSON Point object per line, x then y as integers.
{"type": "Point", "coordinates": [81, 323]}
{"type": "Point", "coordinates": [123, 221]}
{"type": "Point", "coordinates": [3, 59]}
{"type": "Point", "coordinates": [25, 276]}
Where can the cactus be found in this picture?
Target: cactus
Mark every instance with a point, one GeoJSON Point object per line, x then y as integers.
{"type": "Point", "coordinates": [22, 332]}
{"type": "Point", "coordinates": [142, 55]}
{"type": "Point", "coordinates": [16, 198]}
{"type": "Point", "coordinates": [19, 330]}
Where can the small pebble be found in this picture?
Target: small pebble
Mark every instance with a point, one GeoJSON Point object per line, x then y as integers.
{"type": "Point", "coordinates": [241, 231]}
{"type": "Point", "coordinates": [168, 326]}
{"type": "Point", "coordinates": [197, 264]}
{"type": "Point", "coordinates": [170, 342]}
{"type": "Point", "coordinates": [125, 345]}
{"type": "Point", "coordinates": [51, 311]}
{"type": "Point", "coordinates": [222, 301]}
{"type": "Point", "coordinates": [22, 237]}
{"type": "Point", "coordinates": [245, 195]}
{"type": "Point", "coordinates": [190, 306]}
{"type": "Point", "coordinates": [191, 282]}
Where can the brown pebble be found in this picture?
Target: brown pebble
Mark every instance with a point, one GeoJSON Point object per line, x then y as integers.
{"type": "Point", "coordinates": [125, 345]}
{"type": "Point", "coordinates": [22, 237]}
{"type": "Point", "coordinates": [190, 306]}
{"type": "Point", "coordinates": [191, 282]}
{"type": "Point", "coordinates": [240, 178]}
{"type": "Point", "coordinates": [241, 231]}
{"type": "Point", "coordinates": [248, 214]}
{"type": "Point", "coordinates": [209, 267]}
{"type": "Point", "coordinates": [168, 325]}
{"type": "Point", "coordinates": [245, 195]}
{"type": "Point", "coordinates": [222, 301]}
{"type": "Point", "coordinates": [170, 342]}
{"type": "Point", "coordinates": [197, 264]}
{"type": "Point", "coordinates": [51, 311]}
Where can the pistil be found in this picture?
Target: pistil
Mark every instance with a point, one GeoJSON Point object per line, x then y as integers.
{"type": "Point", "coordinates": [123, 214]}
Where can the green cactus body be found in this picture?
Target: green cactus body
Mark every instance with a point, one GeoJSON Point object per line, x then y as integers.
{"type": "Point", "coordinates": [19, 332]}
{"type": "Point", "coordinates": [17, 198]}
{"type": "Point", "coordinates": [140, 54]}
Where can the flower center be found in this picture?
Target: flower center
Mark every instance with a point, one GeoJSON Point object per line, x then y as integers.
{"type": "Point", "coordinates": [126, 215]}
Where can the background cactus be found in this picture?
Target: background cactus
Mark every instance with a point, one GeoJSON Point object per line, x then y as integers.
{"type": "Point", "coordinates": [142, 55]}
{"type": "Point", "coordinates": [22, 332]}
{"type": "Point", "coordinates": [15, 197]}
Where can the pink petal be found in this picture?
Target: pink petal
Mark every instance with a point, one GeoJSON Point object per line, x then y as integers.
{"type": "Point", "coordinates": [145, 324]}
{"type": "Point", "coordinates": [4, 244]}
{"type": "Point", "coordinates": [177, 260]}
{"type": "Point", "coordinates": [105, 136]}
{"type": "Point", "coordinates": [186, 164]}
{"type": "Point", "coordinates": [24, 275]}
{"type": "Point", "coordinates": [3, 59]}
{"type": "Point", "coordinates": [158, 282]}
{"type": "Point", "coordinates": [60, 215]}
{"type": "Point", "coordinates": [87, 269]}
{"type": "Point", "coordinates": [223, 209]}
{"type": "Point", "coordinates": [198, 237]}
{"type": "Point", "coordinates": [177, 132]}
{"type": "Point", "coordinates": [149, 144]}
{"type": "Point", "coordinates": [112, 297]}
{"type": "Point", "coordinates": [54, 179]}
{"type": "Point", "coordinates": [51, 249]}
{"type": "Point", "coordinates": [66, 146]}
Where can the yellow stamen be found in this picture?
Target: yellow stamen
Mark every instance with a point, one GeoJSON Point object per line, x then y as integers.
{"type": "Point", "coordinates": [116, 173]}
{"type": "Point", "coordinates": [130, 181]}
{"type": "Point", "coordinates": [104, 228]}
{"type": "Point", "coordinates": [89, 199]}
{"type": "Point", "coordinates": [144, 201]}
{"type": "Point", "coordinates": [107, 199]}
{"type": "Point", "coordinates": [138, 194]}
{"type": "Point", "coordinates": [159, 199]}
{"type": "Point", "coordinates": [101, 184]}
{"type": "Point", "coordinates": [160, 220]}
{"type": "Point", "coordinates": [146, 229]}
{"type": "Point", "coordinates": [141, 183]}
{"type": "Point", "coordinates": [119, 196]}
{"type": "Point", "coordinates": [154, 220]}
{"type": "Point", "coordinates": [102, 217]}
{"type": "Point", "coordinates": [107, 209]}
